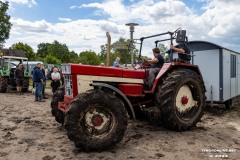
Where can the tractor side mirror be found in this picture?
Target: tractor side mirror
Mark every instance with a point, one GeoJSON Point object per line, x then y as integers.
{"type": "Point", "coordinates": [181, 36]}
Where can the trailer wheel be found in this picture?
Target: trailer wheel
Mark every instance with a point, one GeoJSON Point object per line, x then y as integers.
{"type": "Point", "coordinates": [25, 84]}
{"type": "Point", "coordinates": [96, 120]}
{"type": "Point", "coordinates": [3, 84]}
{"type": "Point", "coordinates": [58, 96]}
{"type": "Point", "coordinates": [181, 97]}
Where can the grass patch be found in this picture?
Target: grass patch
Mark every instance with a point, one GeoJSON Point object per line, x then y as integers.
{"type": "Point", "coordinates": [48, 84]}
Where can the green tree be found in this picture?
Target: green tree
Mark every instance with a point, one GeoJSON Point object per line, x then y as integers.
{"type": "Point", "coordinates": [89, 57]}
{"type": "Point", "coordinates": [163, 50]}
{"type": "Point", "coordinates": [26, 48]}
{"type": "Point", "coordinates": [103, 53]}
{"type": "Point", "coordinates": [50, 59]}
{"type": "Point", "coordinates": [5, 24]}
{"type": "Point", "coordinates": [121, 49]}
{"type": "Point", "coordinates": [122, 52]}
{"type": "Point", "coordinates": [73, 57]}
{"type": "Point", "coordinates": [42, 49]}
{"type": "Point", "coordinates": [58, 50]}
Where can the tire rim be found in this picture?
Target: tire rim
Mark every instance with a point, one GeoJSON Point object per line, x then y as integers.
{"type": "Point", "coordinates": [99, 121]}
{"type": "Point", "coordinates": [185, 103]}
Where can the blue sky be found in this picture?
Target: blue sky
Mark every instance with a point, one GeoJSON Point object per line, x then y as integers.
{"type": "Point", "coordinates": [82, 24]}
{"type": "Point", "coordinates": [51, 10]}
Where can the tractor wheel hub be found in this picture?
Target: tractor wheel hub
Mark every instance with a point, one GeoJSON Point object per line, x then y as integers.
{"type": "Point", "coordinates": [184, 100]}
{"type": "Point", "coordinates": [97, 120]}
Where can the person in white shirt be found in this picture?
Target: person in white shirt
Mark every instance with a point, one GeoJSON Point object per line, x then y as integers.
{"type": "Point", "coordinates": [55, 79]}
{"type": "Point", "coordinates": [46, 70]}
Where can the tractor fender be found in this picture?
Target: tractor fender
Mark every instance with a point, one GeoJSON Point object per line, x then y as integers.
{"type": "Point", "coordinates": [195, 68]}
{"type": "Point", "coordinates": [168, 67]}
{"type": "Point", "coordinates": [125, 100]}
{"type": "Point", "coordinates": [177, 65]}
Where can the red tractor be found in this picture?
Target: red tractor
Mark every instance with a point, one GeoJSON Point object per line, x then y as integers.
{"type": "Point", "coordinates": [96, 102]}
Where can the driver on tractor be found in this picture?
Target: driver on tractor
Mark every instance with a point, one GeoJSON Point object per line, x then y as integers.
{"type": "Point", "coordinates": [157, 63]}
{"type": "Point", "coordinates": [183, 52]}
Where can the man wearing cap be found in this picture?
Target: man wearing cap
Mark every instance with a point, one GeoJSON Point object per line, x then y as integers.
{"type": "Point", "coordinates": [19, 76]}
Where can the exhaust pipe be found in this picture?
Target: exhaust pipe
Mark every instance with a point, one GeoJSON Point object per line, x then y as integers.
{"type": "Point", "coordinates": [108, 48]}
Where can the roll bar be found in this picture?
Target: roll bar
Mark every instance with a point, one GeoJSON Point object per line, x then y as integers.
{"type": "Point", "coordinates": [172, 37]}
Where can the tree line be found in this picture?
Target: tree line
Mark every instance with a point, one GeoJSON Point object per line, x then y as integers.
{"type": "Point", "coordinates": [57, 53]}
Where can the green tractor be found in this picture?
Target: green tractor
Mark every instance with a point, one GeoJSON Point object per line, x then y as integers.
{"type": "Point", "coordinates": [9, 60]}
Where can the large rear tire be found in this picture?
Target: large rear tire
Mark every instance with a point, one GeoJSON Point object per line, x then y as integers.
{"type": "Point", "coordinates": [181, 97]}
{"type": "Point", "coordinates": [58, 96]}
{"type": "Point", "coordinates": [96, 120]}
{"type": "Point", "coordinates": [3, 84]}
{"type": "Point", "coordinates": [25, 84]}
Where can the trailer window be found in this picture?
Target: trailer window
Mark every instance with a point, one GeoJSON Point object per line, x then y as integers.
{"type": "Point", "coordinates": [233, 66]}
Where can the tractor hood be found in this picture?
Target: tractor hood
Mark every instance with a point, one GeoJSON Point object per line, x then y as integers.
{"type": "Point", "coordinates": [80, 69]}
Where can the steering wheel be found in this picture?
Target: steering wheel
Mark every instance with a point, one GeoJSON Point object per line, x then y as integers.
{"type": "Point", "coordinates": [143, 65]}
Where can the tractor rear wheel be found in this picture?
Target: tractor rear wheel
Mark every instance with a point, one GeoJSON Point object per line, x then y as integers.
{"type": "Point", "coordinates": [96, 120]}
{"type": "Point", "coordinates": [25, 84]}
{"type": "Point", "coordinates": [181, 97]}
{"type": "Point", "coordinates": [58, 96]}
{"type": "Point", "coordinates": [3, 84]}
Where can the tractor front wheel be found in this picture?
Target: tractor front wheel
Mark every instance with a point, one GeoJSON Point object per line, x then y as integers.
{"type": "Point", "coordinates": [58, 96]}
{"type": "Point", "coordinates": [3, 84]}
{"type": "Point", "coordinates": [96, 120]}
{"type": "Point", "coordinates": [181, 97]}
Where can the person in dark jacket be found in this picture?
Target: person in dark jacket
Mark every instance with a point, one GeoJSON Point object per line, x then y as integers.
{"type": "Point", "coordinates": [39, 82]}
{"type": "Point", "coordinates": [19, 76]}
{"type": "Point", "coordinates": [44, 85]}
{"type": "Point", "coordinates": [183, 52]}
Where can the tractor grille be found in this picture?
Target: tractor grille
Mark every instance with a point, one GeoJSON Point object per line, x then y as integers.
{"type": "Point", "coordinates": [68, 86]}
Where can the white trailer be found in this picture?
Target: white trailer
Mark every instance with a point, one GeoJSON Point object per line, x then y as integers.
{"type": "Point", "coordinates": [220, 68]}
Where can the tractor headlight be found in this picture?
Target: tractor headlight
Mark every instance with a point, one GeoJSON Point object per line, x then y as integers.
{"type": "Point", "coordinates": [66, 68]}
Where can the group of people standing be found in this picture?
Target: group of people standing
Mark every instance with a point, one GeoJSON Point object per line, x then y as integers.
{"type": "Point", "coordinates": [40, 79]}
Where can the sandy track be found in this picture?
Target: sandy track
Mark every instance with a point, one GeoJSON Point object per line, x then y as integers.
{"type": "Point", "coordinates": [28, 131]}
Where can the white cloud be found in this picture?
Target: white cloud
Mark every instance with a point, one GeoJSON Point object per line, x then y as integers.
{"type": "Point", "coordinates": [29, 3]}
{"type": "Point", "coordinates": [223, 18]}
{"type": "Point", "coordinates": [114, 8]}
{"type": "Point", "coordinates": [79, 35]}
{"type": "Point", "coordinates": [73, 7]}
{"type": "Point", "coordinates": [17, 1]}
{"type": "Point", "coordinates": [27, 27]}
{"type": "Point", "coordinates": [65, 19]}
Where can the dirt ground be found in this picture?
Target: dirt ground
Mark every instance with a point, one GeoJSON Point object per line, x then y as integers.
{"type": "Point", "coordinates": [28, 132]}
